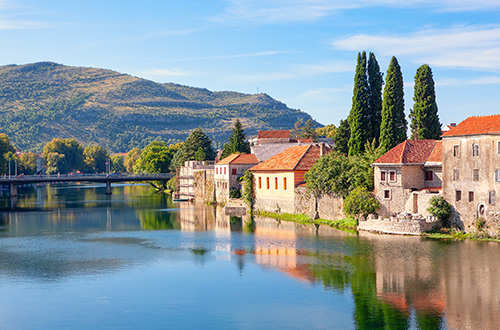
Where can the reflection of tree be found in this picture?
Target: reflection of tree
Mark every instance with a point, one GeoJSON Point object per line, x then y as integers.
{"type": "Point", "coordinates": [373, 309]}
{"type": "Point", "coordinates": [156, 220]}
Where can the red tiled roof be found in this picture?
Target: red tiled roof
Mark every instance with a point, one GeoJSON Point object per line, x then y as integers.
{"type": "Point", "coordinates": [476, 125]}
{"type": "Point", "coordinates": [239, 159]}
{"type": "Point", "coordinates": [408, 152]}
{"type": "Point", "coordinates": [273, 134]}
{"type": "Point", "coordinates": [300, 158]}
{"type": "Point", "coordinates": [436, 155]}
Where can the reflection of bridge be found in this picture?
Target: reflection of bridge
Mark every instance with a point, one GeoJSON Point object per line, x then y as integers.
{"type": "Point", "coordinates": [13, 182]}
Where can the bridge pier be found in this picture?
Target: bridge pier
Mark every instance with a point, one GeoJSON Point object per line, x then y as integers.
{"type": "Point", "coordinates": [108, 188]}
{"type": "Point", "coordinates": [13, 190]}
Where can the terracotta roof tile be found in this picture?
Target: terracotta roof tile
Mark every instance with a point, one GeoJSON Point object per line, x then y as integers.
{"type": "Point", "coordinates": [300, 158]}
{"type": "Point", "coordinates": [476, 125]}
{"type": "Point", "coordinates": [239, 159]}
{"type": "Point", "coordinates": [436, 155]}
{"type": "Point", "coordinates": [273, 134]}
{"type": "Point", "coordinates": [408, 152]}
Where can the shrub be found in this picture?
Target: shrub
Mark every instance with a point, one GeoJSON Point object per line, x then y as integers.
{"type": "Point", "coordinates": [440, 208]}
{"type": "Point", "coordinates": [360, 202]}
{"type": "Point", "coordinates": [234, 193]}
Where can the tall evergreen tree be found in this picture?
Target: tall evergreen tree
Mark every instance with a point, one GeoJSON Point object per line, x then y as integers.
{"type": "Point", "coordinates": [359, 111]}
{"type": "Point", "coordinates": [394, 125]}
{"type": "Point", "coordinates": [342, 136]}
{"type": "Point", "coordinates": [424, 115]}
{"type": "Point", "coordinates": [237, 141]}
{"type": "Point", "coordinates": [187, 151]}
{"type": "Point", "coordinates": [375, 82]}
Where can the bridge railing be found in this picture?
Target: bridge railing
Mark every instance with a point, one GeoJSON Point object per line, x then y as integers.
{"type": "Point", "coordinates": [83, 176]}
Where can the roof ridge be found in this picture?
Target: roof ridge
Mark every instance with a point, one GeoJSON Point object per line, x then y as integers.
{"type": "Point", "coordinates": [302, 157]}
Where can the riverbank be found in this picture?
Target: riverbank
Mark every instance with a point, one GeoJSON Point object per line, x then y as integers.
{"type": "Point", "coordinates": [347, 223]}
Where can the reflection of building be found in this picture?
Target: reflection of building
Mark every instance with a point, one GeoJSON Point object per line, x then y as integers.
{"type": "Point", "coordinates": [194, 217]}
{"type": "Point", "coordinates": [228, 172]}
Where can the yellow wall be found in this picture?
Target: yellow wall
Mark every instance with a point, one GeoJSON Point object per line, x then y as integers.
{"type": "Point", "coordinates": [279, 193]}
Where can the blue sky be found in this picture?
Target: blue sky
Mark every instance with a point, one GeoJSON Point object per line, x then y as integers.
{"type": "Point", "coordinates": [300, 52]}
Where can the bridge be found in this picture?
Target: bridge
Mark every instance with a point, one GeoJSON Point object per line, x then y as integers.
{"type": "Point", "coordinates": [13, 182]}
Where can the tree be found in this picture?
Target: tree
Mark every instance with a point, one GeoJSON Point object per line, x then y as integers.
{"type": "Point", "coordinates": [360, 202]}
{"type": "Point", "coordinates": [95, 158]}
{"type": "Point", "coordinates": [393, 127]}
{"type": "Point", "coordinates": [27, 163]}
{"type": "Point", "coordinates": [131, 158]}
{"type": "Point", "coordinates": [327, 131]}
{"type": "Point", "coordinates": [375, 82]}
{"type": "Point", "coordinates": [341, 137]}
{"type": "Point", "coordinates": [117, 164]}
{"type": "Point", "coordinates": [304, 130]}
{"type": "Point", "coordinates": [440, 208]}
{"type": "Point", "coordinates": [55, 161]}
{"type": "Point", "coordinates": [359, 111]}
{"type": "Point", "coordinates": [71, 151]}
{"type": "Point", "coordinates": [5, 147]}
{"type": "Point", "coordinates": [200, 155]}
{"type": "Point", "coordinates": [237, 141]}
{"type": "Point", "coordinates": [155, 158]}
{"type": "Point", "coordinates": [188, 149]}
{"type": "Point", "coordinates": [424, 115]}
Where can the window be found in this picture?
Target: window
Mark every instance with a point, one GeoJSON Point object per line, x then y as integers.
{"type": "Point", "coordinates": [492, 196]}
{"type": "Point", "coordinates": [233, 171]}
{"type": "Point", "coordinates": [497, 175]}
{"type": "Point", "coordinates": [475, 149]}
{"type": "Point", "coordinates": [267, 181]}
{"type": "Point", "coordinates": [456, 150]}
{"type": "Point", "coordinates": [429, 175]}
{"type": "Point", "coordinates": [471, 196]}
{"type": "Point", "coordinates": [284, 183]}
{"type": "Point", "coordinates": [260, 182]}
{"type": "Point", "coordinates": [276, 183]}
{"type": "Point", "coordinates": [216, 170]}
{"type": "Point", "coordinates": [224, 170]}
{"type": "Point", "coordinates": [475, 175]}
{"type": "Point", "coordinates": [387, 194]}
{"type": "Point", "coordinates": [456, 175]}
{"type": "Point", "coordinates": [498, 147]}
{"type": "Point", "coordinates": [383, 176]}
{"type": "Point", "coordinates": [458, 195]}
{"type": "Point", "coordinates": [392, 176]}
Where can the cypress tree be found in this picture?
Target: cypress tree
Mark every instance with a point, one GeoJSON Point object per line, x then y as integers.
{"type": "Point", "coordinates": [424, 115]}
{"type": "Point", "coordinates": [359, 111]}
{"type": "Point", "coordinates": [394, 125]}
{"type": "Point", "coordinates": [237, 141]}
{"type": "Point", "coordinates": [341, 137]}
{"type": "Point", "coordinates": [375, 82]}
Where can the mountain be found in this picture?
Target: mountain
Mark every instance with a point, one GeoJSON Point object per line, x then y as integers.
{"type": "Point", "coordinates": [42, 101]}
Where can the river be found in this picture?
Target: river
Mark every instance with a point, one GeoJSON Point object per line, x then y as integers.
{"type": "Point", "coordinates": [72, 257]}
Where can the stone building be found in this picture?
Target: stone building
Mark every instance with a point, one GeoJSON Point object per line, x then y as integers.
{"type": "Point", "coordinates": [186, 173]}
{"type": "Point", "coordinates": [275, 179]}
{"type": "Point", "coordinates": [471, 169]}
{"type": "Point", "coordinates": [270, 143]}
{"type": "Point", "coordinates": [407, 176]}
{"type": "Point", "coordinates": [228, 171]}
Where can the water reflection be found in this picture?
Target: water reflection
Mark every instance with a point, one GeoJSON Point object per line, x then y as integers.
{"type": "Point", "coordinates": [394, 282]}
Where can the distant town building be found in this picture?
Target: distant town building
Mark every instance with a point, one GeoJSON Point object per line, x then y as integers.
{"type": "Point", "coordinates": [186, 189]}
{"type": "Point", "coordinates": [228, 171]}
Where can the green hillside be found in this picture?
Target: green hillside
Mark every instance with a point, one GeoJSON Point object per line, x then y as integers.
{"type": "Point", "coordinates": [42, 101]}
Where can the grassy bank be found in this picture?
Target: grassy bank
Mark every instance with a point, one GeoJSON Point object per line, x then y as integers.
{"type": "Point", "coordinates": [347, 223]}
{"type": "Point", "coordinates": [460, 235]}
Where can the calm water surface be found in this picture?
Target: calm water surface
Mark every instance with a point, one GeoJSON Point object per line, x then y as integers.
{"type": "Point", "coordinates": [73, 258]}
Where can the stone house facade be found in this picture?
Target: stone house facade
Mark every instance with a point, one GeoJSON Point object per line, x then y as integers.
{"type": "Point", "coordinates": [186, 173]}
{"type": "Point", "coordinates": [276, 179]}
{"type": "Point", "coordinates": [407, 176]}
{"type": "Point", "coordinates": [471, 167]}
{"type": "Point", "coordinates": [228, 171]}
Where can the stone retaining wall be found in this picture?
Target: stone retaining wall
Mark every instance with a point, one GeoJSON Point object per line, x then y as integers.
{"type": "Point", "coordinates": [398, 226]}
{"type": "Point", "coordinates": [329, 206]}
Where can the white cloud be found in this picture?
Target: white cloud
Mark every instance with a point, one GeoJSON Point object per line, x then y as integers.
{"type": "Point", "coordinates": [326, 93]}
{"type": "Point", "coordinates": [299, 71]}
{"type": "Point", "coordinates": [279, 11]}
{"type": "Point", "coordinates": [476, 47]}
{"type": "Point", "coordinates": [489, 80]}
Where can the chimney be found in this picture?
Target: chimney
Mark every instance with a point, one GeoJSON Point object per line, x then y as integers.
{"type": "Point", "coordinates": [322, 149]}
